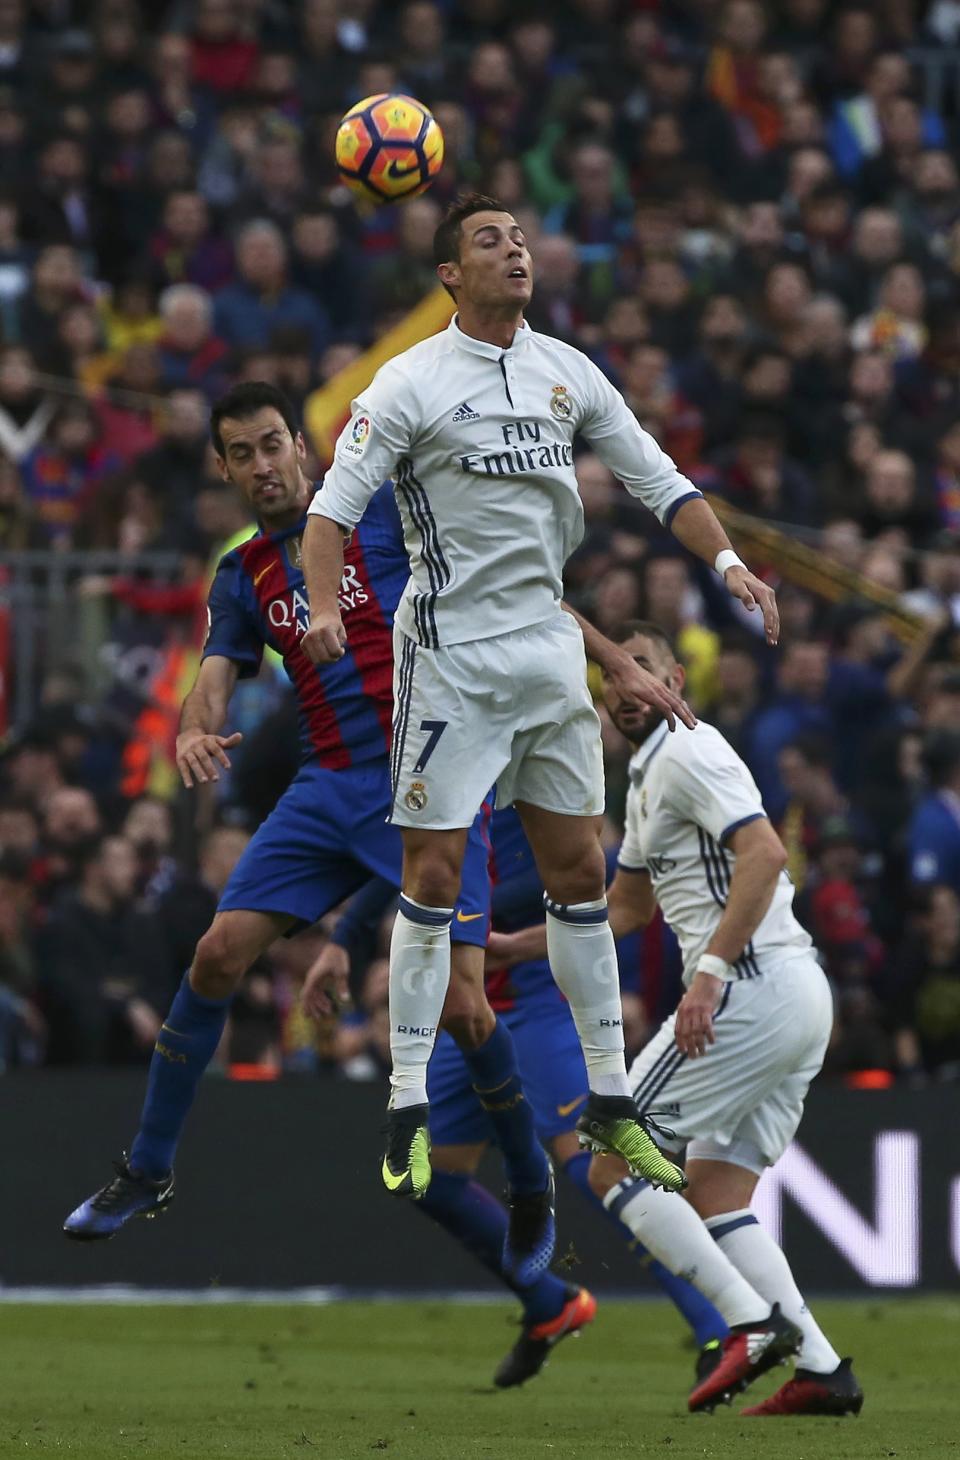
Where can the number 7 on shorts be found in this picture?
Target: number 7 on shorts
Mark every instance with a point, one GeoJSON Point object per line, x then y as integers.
{"type": "Point", "coordinates": [434, 729]}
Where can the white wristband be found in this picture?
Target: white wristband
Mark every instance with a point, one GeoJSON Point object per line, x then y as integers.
{"type": "Point", "coordinates": [727, 559]}
{"type": "Point", "coordinates": [710, 963]}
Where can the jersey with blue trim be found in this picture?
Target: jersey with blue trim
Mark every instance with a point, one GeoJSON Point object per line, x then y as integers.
{"type": "Point", "coordinates": [689, 792]}
{"type": "Point", "coordinates": [258, 598]}
{"type": "Point", "coordinates": [479, 441]}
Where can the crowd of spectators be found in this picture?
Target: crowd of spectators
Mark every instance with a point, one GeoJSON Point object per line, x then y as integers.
{"type": "Point", "coordinates": [748, 214]}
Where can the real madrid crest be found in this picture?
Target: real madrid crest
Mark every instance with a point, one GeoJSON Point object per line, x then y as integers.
{"type": "Point", "coordinates": [560, 403]}
{"type": "Point", "coordinates": [416, 797]}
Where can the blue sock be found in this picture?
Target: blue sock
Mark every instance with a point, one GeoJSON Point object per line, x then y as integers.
{"type": "Point", "coordinates": [699, 1312]}
{"type": "Point", "coordinates": [478, 1221]}
{"type": "Point", "coordinates": [185, 1046]}
{"type": "Point", "coordinates": [493, 1070]}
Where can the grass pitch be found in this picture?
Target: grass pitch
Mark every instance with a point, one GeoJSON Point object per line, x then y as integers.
{"type": "Point", "coordinates": [412, 1380]}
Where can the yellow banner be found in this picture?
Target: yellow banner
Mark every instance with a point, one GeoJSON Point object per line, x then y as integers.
{"type": "Point", "coordinates": [761, 543]}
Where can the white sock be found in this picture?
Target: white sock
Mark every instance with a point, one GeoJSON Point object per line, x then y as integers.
{"type": "Point", "coordinates": [419, 975]}
{"type": "Point", "coordinates": [677, 1237]}
{"type": "Point", "coordinates": [583, 958]}
{"type": "Point", "coordinates": [765, 1267]}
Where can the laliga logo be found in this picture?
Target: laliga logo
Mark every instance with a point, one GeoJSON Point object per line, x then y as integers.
{"type": "Point", "coordinates": [293, 611]}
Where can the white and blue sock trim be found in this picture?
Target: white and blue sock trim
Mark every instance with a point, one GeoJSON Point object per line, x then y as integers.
{"type": "Point", "coordinates": [580, 914]}
{"type": "Point", "coordinates": [623, 1194]}
{"type": "Point", "coordinates": [723, 1229]}
{"type": "Point", "coordinates": [428, 917]}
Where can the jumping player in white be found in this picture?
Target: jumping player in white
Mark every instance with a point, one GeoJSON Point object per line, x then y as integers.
{"type": "Point", "coordinates": [730, 1069]}
{"type": "Point", "coordinates": [476, 426]}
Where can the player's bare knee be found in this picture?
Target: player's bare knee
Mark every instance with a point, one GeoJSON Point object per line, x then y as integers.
{"type": "Point", "coordinates": [605, 1172]}
{"type": "Point", "coordinates": [433, 881]}
{"type": "Point", "coordinates": [219, 963]}
{"type": "Point", "coordinates": [573, 880]}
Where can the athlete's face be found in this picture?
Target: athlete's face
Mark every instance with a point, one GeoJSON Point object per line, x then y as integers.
{"type": "Point", "coordinates": [495, 270]}
{"type": "Point", "coordinates": [635, 722]}
{"type": "Point", "coordinates": [265, 462]}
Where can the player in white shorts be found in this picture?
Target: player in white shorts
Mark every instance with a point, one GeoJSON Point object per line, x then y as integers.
{"type": "Point", "coordinates": [476, 426]}
{"type": "Point", "coordinates": [728, 1072]}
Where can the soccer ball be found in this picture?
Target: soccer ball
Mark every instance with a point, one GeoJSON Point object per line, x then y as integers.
{"type": "Point", "coordinates": [389, 147]}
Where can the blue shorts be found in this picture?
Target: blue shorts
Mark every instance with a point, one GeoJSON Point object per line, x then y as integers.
{"type": "Point", "coordinates": [551, 1067]}
{"type": "Point", "coordinates": [327, 836]}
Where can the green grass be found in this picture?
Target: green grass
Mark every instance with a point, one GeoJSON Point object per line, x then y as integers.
{"type": "Point", "coordinates": [413, 1381]}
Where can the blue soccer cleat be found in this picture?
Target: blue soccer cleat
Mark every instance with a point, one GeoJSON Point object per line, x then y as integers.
{"type": "Point", "coordinates": [128, 1195]}
{"type": "Point", "coordinates": [531, 1235]}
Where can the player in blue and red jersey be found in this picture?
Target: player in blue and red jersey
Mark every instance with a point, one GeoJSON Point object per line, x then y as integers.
{"type": "Point", "coordinates": [526, 998]}
{"type": "Point", "coordinates": [328, 833]}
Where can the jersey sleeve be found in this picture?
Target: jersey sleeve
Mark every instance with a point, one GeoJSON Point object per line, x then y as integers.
{"type": "Point", "coordinates": [709, 785]}
{"type": "Point", "coordinates": [630, 856]}
{"type": "Point", "coordinates": [231, 633]}
{"type": "Point", "coordinates": [379, 432]}
{"type": "Point", "coordinates": [630, 452]}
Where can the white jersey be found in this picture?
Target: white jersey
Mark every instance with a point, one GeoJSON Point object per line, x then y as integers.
{"type": "Point", "coordinates": [689, 791]}
{"type": "Point", "coordinates": [479, 443]}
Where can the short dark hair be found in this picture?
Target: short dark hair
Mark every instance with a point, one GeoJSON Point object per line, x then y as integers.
{"type": "Point", "coordinates": [446, 239]}
{"type": "Point", "coordinates": [243, 401]}
{"type": "Point", "coordinates": [648, 629]}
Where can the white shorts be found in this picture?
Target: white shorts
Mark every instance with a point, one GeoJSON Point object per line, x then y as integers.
{"type": "Point", "coordinates": [513, 710]}
{"type": "Point", "coordinates": [771, 1035]}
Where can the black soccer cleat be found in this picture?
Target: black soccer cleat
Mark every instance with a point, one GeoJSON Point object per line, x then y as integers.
{"type": "Point", "coordinates": [406, 1166]}
{"type": "Point", "coordinates": [532, 1348]}
{"type": "Point", "coordinates": [808, 1393]}
{"type": "Point", "coordinates": [611, 1125]}
{"type": "Point", "coordinates": [708, 1358]}
{"type": "Point", "coordinates": [129, 1194]}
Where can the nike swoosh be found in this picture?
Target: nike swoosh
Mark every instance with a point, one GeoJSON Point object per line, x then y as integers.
{"type": "Point", "coordinates": [262, 574]}
{"type": "Point", "coordinates": [569, 1109]}
{"type": "Point", "coordinates": [467, 917]}
{"type": "Point", "coordinates": [391, 1182]}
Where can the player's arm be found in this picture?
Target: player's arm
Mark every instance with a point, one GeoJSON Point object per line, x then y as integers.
{"type": "Point", "coordinates": [695, 524]}
{"type": "Point", "coordinates": [322, 558]}
{"type": "Point", "coordinates": [633, 684]}
{"type": "Point", "coordinates": [200, 746]}
{"type": "Point", "coordinates": [760, 858]}
{"type": "Point", "coordinates": [648, 472]}
{"type": "Point", "coordinates": [378, 433]}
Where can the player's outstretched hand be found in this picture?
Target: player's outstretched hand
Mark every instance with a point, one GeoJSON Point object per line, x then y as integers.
{"type": "Point", "coordinates": [324, 640]}
{"type": "Point", "coordinates": [753, 593]}
{"type": "Point", "coordinates": [693, 1030]}
{"type": "Point", "coordinates": [636, 685]}
{"type": "Point", "coordinates": [325, 990]}
{"type": "Point", "coordinates": [198, 755]}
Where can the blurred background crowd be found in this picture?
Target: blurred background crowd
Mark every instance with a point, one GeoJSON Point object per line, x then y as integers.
{"type": "Point", "coordinates": [747, 213]}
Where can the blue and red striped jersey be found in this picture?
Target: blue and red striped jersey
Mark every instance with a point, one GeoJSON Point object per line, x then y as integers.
{"type": "Point", "coordinates": [258, 598]}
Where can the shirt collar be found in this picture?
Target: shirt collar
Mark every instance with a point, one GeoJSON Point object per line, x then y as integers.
{"type": "Point", "coordinates": [483, 347]}
{"type": "Point", "coordinates": [642, 758]}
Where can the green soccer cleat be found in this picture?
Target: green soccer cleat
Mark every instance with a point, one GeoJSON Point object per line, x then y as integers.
{"type": "Point", "coordinates": [611, 1125]}
{"type": "Point", "coordinates": [406, 1166]}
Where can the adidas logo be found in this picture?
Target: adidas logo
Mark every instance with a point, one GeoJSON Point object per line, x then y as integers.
{"type": "Point", "coordinates": [465, 413]}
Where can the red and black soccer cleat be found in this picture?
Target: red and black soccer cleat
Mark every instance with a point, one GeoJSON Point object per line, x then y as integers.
{"type": "Point", "coordinates": [532, 1348]}
{"type": "Point", "coordinates": [808, 1393]}
{"type": "Point", "coordinates": [748, 1351]}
